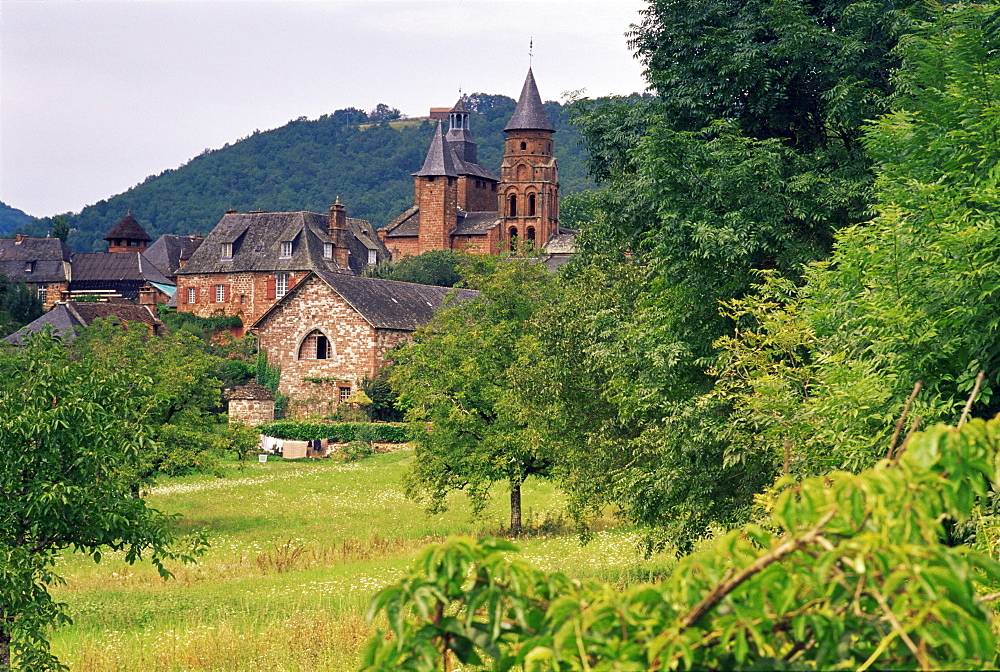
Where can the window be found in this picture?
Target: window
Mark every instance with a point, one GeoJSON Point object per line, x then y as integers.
{"type": "Point", "coordinates": [531, 205]}
{"type": "Point", "coordinates": [29, 266]}
{"type": "Point", "coordinates": [42, 290]}
{"type": "Point", "coordinates": [530, 235]}
{"type": "Point", "coordinates": [524, 145]}
{"type": "Point", "coordinates": [220, 293]}
{"type": "Point", "coordinates": [328, 250]}
{"type": "Point", "coordinates": [344, 394]}
{"type": "Point", "coordinates": [192, 295]}
{"type": "Point", "coordinates": [372, 257]}
{"type": "Point", "coordinates": [315, 346]}
{"type": "Point", "coordinates": [286, 250]}
{"type": "Point", "coordinates": [280, 284]}
{"type": "Point", "coordinates": [512, 238]}
{"type": "Point", "coordinates": [512, 205]}
{"type": "Point", "coordinates": [227, 251]}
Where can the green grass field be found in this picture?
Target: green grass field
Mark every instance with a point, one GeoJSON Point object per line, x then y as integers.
{"type": "Point", "coordinates": [298, 549]}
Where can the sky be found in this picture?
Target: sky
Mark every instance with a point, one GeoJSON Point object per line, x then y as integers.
{"type": "Point", "coordinates": [96, 96]}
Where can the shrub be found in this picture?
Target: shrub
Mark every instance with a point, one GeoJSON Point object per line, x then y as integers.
{"type": "Point", "coordinates": [356, 450]}
{"type": "Point", "coordinates": [338, 432]}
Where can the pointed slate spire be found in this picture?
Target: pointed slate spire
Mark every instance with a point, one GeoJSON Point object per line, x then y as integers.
{"type": "Point", "coordinates": [529, 115]}
{"type": "Point", "coordinates": [438, 161]}
{"type": "Point", "coordinates": [127, 229]}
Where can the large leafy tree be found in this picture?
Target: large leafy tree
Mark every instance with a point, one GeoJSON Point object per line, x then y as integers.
{"type": "Point", "coordinates": [457, 382]}
{"type": "Point", "coordinates": [73, 437]}
{"type": "Point", "coordinates": [908, 296]}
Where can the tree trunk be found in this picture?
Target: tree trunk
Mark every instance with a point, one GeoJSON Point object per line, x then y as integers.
{"type": "Point", "coordinates": [515, 508]}
{"type": "Point", "coordinates": [4, 650]}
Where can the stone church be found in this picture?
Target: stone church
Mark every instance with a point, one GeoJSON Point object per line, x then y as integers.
{"type": "Point", "coordinates": [460, 205]}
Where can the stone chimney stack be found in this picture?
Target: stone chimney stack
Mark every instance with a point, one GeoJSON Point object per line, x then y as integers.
{"type": "Point", "coordinates": [147, 297]}
{"type": "Point", "coordinates": [338, 234]}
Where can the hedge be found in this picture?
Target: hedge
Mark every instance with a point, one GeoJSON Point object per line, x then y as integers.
{"type": "Point", "coordinates": [338, 432]}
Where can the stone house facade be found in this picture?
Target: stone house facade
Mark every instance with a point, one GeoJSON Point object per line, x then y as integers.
{"type": "Point", "coordinates": [332, 330]}
{"type": "Point", "coordinates": [250, 404]}
{"type": "Point", "coordinates": [249, 261]}
{"type": "Point", "coordinates": [460, 205]}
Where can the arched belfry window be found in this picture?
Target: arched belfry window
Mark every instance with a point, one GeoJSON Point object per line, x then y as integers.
{"type": "Point", "coordinates": [512, 205]}
{"type": "Point", "coordinates": [524, 146]}
{"type": "Point", "coordinates": [315, 346]}
{"type": "Point", "coordinates": [529, 235]}
{"type": "Point", "coordinates": [512, 238]}
{"type": "Point", "coordinates": [531, 205]}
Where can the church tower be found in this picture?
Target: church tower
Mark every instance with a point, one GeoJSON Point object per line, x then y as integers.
{"type": "Point", "coordinates": [436, 195]}
{"type": "Point", "coordinates": [529, 176]}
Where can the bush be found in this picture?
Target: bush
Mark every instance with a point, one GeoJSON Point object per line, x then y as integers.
{"type": "Point", "coordinates": [338, 432]}
{"type": "Point", "coordinates": [181, 450]}
{"type": "Point", "coordinates": [356, 450]}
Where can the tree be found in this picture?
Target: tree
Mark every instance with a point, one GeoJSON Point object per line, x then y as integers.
{"type": "Point", "coordinates": [456, 381]}
{"type": "Point", "coordinates": [847, 571]}
{"type": "Point", "coordinates": [73, 438]}
{"type": "Point", "coordinates": [435, 267]}
{"type": "Point", "coordinates": [18, 306]}
{"type": "Point", "coordinates": [60, 227]}
{"type": "Point", "coordinates": [906, 297]}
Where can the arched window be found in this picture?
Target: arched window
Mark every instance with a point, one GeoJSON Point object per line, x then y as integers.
{"type": "Point", "coordinates": [531, 205]}
{"type": "Point", "coordinates": [530, 235]}
{"type": "Point", "coordinates": [512, 238]}
{"type": "Point", "coordinates": [512, 205]}
{"type": "Point", "coordinates": [315, 346]}
{"type": "Point", "coordinates": [524, 145]}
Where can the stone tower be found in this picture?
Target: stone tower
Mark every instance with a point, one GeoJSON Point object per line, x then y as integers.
{"type": "Point", "coordinates": [435, 193]}
{"type": "Point", "coordinates": [127, 236]}
{"type": "Point", "coordinates": [528, 199]}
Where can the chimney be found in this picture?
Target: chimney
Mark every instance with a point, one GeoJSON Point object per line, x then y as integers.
{"type": "Point", "coordinates": [147, 297]}
{"type": "Point", "coordinates": [18, 238]}
{"type": "Point", "coordinates": [338, 234]}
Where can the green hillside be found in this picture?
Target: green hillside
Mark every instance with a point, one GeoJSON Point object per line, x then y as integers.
{"type": "Point", "coordinates": [11, 218]}
{"type": "Point", "coordinates": [305, 165]}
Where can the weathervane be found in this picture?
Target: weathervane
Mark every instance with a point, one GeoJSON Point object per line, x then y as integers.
{"type": "Point", "coordinates": [531, 49]}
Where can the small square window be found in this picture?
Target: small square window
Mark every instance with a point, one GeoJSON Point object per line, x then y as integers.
{"type": "Point", "coordinates": [345, 394]}
{"type": "Point", "coordinates": [286, 250]}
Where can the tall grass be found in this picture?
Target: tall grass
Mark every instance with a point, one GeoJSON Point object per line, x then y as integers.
{"type": "Point", "coordinates": [297, 550]}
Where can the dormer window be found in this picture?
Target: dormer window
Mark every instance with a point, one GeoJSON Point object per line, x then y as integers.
{"type": "Point", "coordinates": [328, 250]}
{"type": "Point", "coordinates": [227, 251]}
{"type": "Point", "coordinates": [286, 250]}
{"type": "Point", "coordinates": [29, 266]}
{"type": "Point", "coordinates": [372, 257]}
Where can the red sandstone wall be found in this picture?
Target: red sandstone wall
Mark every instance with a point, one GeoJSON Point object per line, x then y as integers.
{"type": "Point", "coordinates": [246, 294]}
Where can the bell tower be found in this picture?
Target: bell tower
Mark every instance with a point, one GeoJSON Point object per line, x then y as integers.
{"type": "Point", "coordinates": [529, 175]}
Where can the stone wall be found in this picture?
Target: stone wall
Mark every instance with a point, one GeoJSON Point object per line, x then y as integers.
{"type": "Point", "coordinates": [251, 412]}
{"type": "Point", "coordinates": [246, 293]}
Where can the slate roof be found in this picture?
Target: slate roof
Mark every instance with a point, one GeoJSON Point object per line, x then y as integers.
{"type": "Point", "coordinates": [407, 224]}
{"type": "Point", "coordinates": [563, 242]}
{"type": "Point", "coordinates": [256, 239]}
{"type": "Point", "coordinates": [475, 223]}
{"type": "Point", "coordinates": [66, 318]}
{"type": "Point", "coordinates": [439, 161]}
{"type": "Point", "coordinates": [127, 229]}
{"type": "Point", "coordinates": [170, 250]}
{"type": "Point", "coordinates": [49, 257]}
{"type": "Point", "coordinates": [529, 115]}
{"type": "Point", "coordinates": [384, 304]}
{"type": "Point", "coordinates": [250, 390]}
{"type": "Point", "coordinates": [122, 272]}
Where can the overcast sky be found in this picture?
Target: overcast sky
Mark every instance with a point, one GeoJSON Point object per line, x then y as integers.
{"type": "Point", "coordinates": [96, 96]}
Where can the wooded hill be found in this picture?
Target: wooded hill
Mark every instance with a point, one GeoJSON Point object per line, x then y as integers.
{"type": "Point", "coordinates": [11, 218]}
{"type": "Point", "coordinates": [305, 165]}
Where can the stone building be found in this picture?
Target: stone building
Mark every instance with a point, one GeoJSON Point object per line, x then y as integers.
{"type": "Point", "coordinates": [170, 252]}
{"type": "Point", "coordinates": [249, 261]}
{"type": "Point", "coordinates": [67, 318]}
{"type": "Point", "coordinates": [460, 205]}
{"type": "Point", "coordinates": [44, 264]}
{"type": "Point", "coordinates": [250, 404]}
{"type": "Point", "coordinates": [332, 330]}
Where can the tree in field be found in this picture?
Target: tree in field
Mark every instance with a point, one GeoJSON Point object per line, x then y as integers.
{"type": "Point", "coordinates": [847, 572]}
{"type": "Point", "coordinates": [456, 382]}
{"type": "Point", "coordinates": [73, 437]}
{"type": "Point", "coordinates": [19, 305]}
{"type": "Point", "coordinates": [436, 267]}
{"type": "Point", "coordinates": [908, 296]}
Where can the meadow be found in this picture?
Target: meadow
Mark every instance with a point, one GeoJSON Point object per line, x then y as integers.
{"type": "Point", "coordinates": [298, 549]}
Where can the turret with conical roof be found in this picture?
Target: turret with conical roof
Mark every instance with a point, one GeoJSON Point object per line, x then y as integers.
{"type": "Point", "coordinates": [127, 236]}
{"type": "Point", "coordinates": [529, 176]}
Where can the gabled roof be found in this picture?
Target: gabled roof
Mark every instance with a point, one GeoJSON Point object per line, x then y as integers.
{"type": "Point", "coordinates": [251, 390]}
{"type": "Point", "coordinates": [529, 115]}
{"type": "Point", "coordinates": [127, 229]}
{"type": "Point", "coordinates": [66, 318]}
{"type": "Point", "coordinates": [110, 266]}
{"type": "Point", "coordinates": [439, 161]}
{"type": "Point", "coordinates": [384, 304]}
{"type": "Point", "coordinates": [407, 224]}
{"type": "Point", "coordinates": [49, 258]}
{"type": "Point", "coordinates": [256, 244]}
{"type": "Point", "coordinates": [170, 250]}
